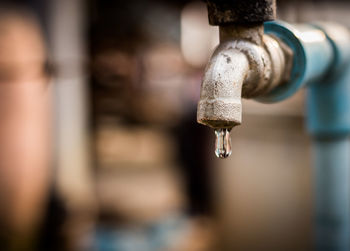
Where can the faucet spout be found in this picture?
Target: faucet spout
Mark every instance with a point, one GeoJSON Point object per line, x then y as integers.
{"type": "Point", "coordinates": [220, 104]}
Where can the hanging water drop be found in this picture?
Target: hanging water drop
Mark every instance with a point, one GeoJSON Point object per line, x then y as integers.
{"type": "Point", "coordinates": [223, 143]}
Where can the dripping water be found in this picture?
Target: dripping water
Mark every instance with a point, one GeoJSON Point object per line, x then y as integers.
{"type": "Point", "coordinates": [223, 143]}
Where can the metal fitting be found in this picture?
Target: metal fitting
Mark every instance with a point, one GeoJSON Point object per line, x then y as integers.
{"type": "Point", "coordinates": [246, 64]}
{"type": "Point", "coordinates": [223, 12]}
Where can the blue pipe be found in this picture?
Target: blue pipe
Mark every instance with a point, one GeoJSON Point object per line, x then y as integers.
{"type": "Point", "coordinates": [312, 57]}
{"type": "Point", "coordinates": [321, 55]}
{"type": "Point", "coordinates": [328, 121]}
{"type": "Point", "coordinates": [331, 172]}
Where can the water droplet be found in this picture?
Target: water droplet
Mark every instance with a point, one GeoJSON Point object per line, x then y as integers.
{"type": "Point", "coordinates": [223, 143]}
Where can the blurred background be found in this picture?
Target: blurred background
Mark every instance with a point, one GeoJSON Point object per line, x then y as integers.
{"type": "Point", "coordinates": [99, 145]}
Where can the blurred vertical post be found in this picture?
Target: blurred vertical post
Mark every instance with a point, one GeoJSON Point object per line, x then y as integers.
{"type": "Point", "coordinates": [66, 26]}
{"type": "Point", "coordinates": [24, 131]}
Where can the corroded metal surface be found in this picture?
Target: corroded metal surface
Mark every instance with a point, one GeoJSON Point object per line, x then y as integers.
{"type": "Point", "coordinates": [223, 12]}
{"type": "Point", "coordinates": [249, 32]}
{"type": "Point", "coordinates": [220, 104]}
{"type": "Point", "coordinates": [281, 59]}
{"type": "Point", "coordinates": [246, 64]}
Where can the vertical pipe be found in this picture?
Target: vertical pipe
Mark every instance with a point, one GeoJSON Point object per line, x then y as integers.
{"type": "Point", "coordinates": [328, 121]}
{"type": "Point", "coordinates": [332, 191]}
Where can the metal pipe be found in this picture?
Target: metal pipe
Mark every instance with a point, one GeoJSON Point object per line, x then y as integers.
{"type": "Point", "coordinates": [224, 12]}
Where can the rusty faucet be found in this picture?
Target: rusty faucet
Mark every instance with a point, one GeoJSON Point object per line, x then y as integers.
{"type": "Point", "coordinates": [247, 63]}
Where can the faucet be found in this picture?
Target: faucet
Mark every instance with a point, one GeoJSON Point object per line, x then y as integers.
{"type": "Point", "coordinates": [269, 62]}
{"type": "Point", "coordinates": [247, 63]}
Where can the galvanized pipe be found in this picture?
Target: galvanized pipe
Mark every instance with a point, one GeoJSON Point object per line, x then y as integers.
{"type": "Point", "coordinates": [224, 12]}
